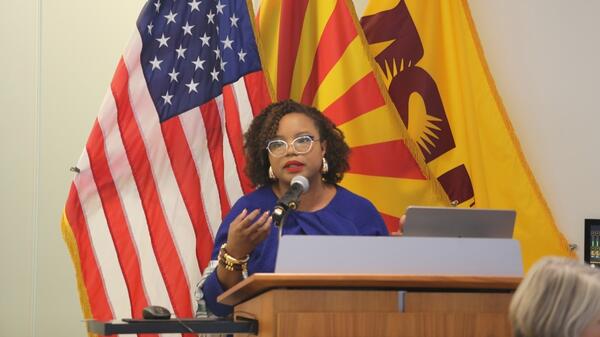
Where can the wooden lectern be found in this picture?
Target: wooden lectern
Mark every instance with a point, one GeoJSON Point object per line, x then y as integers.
{"type": "Point", "coordinates": [374, 305]}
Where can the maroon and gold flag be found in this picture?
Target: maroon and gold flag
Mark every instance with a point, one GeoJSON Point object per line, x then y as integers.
{"type": "Point", "coordinates": [429, 55]}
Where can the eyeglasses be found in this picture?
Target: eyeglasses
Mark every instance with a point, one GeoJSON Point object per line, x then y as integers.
{"type": "Point", "coordinates": [301, 145]}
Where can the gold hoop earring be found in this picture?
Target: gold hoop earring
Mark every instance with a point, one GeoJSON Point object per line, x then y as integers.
{"type": "Point", "coordinates": [325, 167]}
{"type": "Point", "coordinates": [271, 174]}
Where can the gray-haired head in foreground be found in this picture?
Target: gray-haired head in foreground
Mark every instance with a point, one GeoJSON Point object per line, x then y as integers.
{"type": "Point", "coordinates": [558, 297]}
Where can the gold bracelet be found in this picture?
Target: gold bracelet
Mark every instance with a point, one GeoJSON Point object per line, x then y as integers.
{"type": "Point", "coordinates": [232, 267]}
{"type": "Point", "coordinates": [231, 263]}
{"type": "Point", "coordinates": [231, 258]}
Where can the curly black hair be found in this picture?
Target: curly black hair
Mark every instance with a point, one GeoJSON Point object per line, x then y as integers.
{"type": "Point", "coordinates": [264, 127]}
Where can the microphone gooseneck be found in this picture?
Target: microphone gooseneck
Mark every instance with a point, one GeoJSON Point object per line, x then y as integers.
{"type": "Point", "coordinates": [290, 199]}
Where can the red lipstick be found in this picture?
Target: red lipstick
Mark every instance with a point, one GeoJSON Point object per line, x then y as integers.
{"type": "Point", "coordinates": [293, 166]}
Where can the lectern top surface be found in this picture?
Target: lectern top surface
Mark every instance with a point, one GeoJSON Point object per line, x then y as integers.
{"type": "Point", "coordinates": [261, 282]}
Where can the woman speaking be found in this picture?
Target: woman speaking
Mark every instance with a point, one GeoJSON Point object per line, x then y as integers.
{"type": "Point", "coordinates": [286, 140]}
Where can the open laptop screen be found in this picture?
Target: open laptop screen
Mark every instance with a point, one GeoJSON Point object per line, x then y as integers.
{"type": "Point", "coordinates": [459, 222]}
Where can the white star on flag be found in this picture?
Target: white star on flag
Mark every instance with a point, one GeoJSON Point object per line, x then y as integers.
{"type": "Point", "coordinates": [163, 41]}
{"type": "Point", "coordinates": [220, 7]}
{"type": "Point", "coordinates": [156, 63]}
{"type": "Point", "coordinates": [192, 86]}
{"type": "Point", "coordinates": [187, 29]}
{"type": "Point", "coordinates": [180, 52]}
{"type": "Point", "coordinates": [227, 43]}
{"type": "Point", "coordinates": [173, 75]}
{"type": "Point", "coordinates": [214, 74]}
{"type": "Point", "coordinates": [211, 17]}
{"type": "Point", "coordinates": [167, 98]}
{"type": "Point", "coordinates": [205, 38]}
{"type": "Point", "coordinates": [194, 5]}
{"type": "Point", "coordinates": [171, 17]}
{"type": "Point", "coordinates": [234, 20]}
{"type": "Point", "coordinates": [199, 63]}
{"type": "Point", "coordinates": [242, 55]}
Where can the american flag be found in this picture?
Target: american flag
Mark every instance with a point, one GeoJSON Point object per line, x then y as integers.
{"type": "Point", "coordinates": [164, 160]}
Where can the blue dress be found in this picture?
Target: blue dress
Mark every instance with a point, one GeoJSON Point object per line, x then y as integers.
{"type": "Point", "coordinates": [346, 214]}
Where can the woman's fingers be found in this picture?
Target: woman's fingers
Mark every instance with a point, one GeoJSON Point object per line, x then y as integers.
{"type": "Point", "coordinates": [247, 230]}
{"type": "Point", "coordinates": [240, 216]}
{"type": "Point", "coordinates": [244, 219]}
{"type": "Point", "coordinates": [265, 229]}
{"type": "Point", "coordinates": [259, 226]}
{"type": "Point", "coordinates": [256, 224]}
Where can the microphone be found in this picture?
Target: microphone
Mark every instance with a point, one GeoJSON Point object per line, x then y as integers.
{"type": "Point", "coordinates": [289, 200]}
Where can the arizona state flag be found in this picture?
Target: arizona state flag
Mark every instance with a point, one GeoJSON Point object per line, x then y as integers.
{"type": "Point", "coordinates": [316, 53]}
{"type": "Point", "coordinates": [434, 68]}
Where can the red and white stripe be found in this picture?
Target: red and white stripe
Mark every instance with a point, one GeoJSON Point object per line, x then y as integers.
{"type": "Point", "coordinates": [150, 196]}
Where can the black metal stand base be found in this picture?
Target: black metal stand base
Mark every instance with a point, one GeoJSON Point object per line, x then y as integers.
{"type": "Point", "coordinates": [207, 326]}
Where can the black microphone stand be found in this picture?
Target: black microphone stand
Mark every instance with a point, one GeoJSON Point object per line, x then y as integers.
{"type": "Point", "coordinates": [280, 215]}
{"type": "Point", "coordinates": [289, 201]}
{"type": "Point", "coordinates": [281, 223]}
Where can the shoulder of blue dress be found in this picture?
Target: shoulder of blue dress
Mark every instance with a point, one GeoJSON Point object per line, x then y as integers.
{"type": "Point", "coordinates": [264, 192]}
{"type": "Point", "coordinates": [344, 196]}
{"type": "Point", "coordinates": [343, 203]}
{"type": "Point", "coordinates": [261, 197]}
{"type": "Point", "coordinates": [360, 211]}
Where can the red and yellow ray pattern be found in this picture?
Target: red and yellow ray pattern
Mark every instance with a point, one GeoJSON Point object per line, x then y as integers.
{"type": "Point", "coordinates": [315, 52]}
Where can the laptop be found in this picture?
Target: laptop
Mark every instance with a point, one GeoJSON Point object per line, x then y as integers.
{"type": "Point", "coordinates": [459, 222]}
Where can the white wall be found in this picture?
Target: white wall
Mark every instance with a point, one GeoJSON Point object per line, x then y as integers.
{"type": "Point", "coordinates": [57, 61]}
{"type": "Point", "coordinates": [19, 166]}
{"type": "Point", "coordinates": [544, 56]}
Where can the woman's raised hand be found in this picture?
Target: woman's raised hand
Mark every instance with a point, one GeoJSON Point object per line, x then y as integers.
{"type": "Point", "coordinates": [247, 231]}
